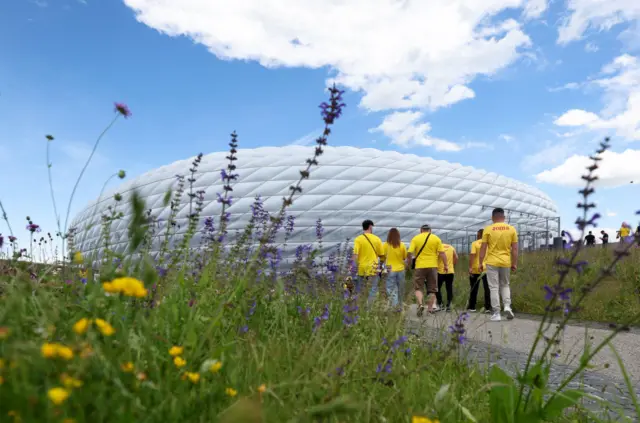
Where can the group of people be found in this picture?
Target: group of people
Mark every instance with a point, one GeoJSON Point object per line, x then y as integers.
{"type": "Point", "coordinates": [494, 255]}
{"type": "Point", "coordinates": [624, 233]}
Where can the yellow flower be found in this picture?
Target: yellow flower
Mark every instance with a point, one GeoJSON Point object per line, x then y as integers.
{"type": "Point", "coordinates": [127, 367]}
{"type": "Point", "coordinates": [176, 351]}
{"type": "Point", "coordinates": [86, 351]}
{"type": "Point", "coordinates": [193, 377]}
{"type": "Point", "coordinates": [215, 367]}
{"type": "Point", "coordinates": [131, 287]}
{"type": "Point", "coordinates": [70, 382]}
{"type": "Point", "coordinates": [81, 326]}
{"type": "Point", "coordinates": [77, 257]}
{"type": "Point", "coordinates": [82, 273]}
{"type": "Point", "coordinates": [179, 362]}
{"type": "Point", "coordinates": [56, 350]}
{"type": "Point", "coordinates": [15, 415]}
{"type": "Point", "coordinates": [4, 332]}
{"type": "Point", "coordinates": [104, 327]}
{"type": "Point", "coordinates": [262, 388]}
{"type": "Point", "coordinates": [231, 392]}
{"type": "Point", "coordinates": [421, 419]}
{"type": "Point", "coordinates": [58, 395]}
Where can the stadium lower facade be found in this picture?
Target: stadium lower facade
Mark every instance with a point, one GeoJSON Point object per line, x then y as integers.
{"type": "Point", "coordinates": [349, 185]}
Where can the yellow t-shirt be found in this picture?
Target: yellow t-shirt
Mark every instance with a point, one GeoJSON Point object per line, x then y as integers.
{"type": "Point", "coordinates": [449, 251]}
{"type": "Point", "coordinates": [429, 255]}
{"type": "Point", "coordinates": [624, 232]}
{"type": "Point", "coordinates": [367, 257]}
{"type": "Point", "coordinates": [499, 237]}
{"type": "Point", "coordinates": [395, 256]}
{"type": "Point", "coordinates": [475, 249]}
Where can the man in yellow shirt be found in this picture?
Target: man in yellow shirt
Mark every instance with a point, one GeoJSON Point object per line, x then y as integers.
{"type": "Point", "coordinates": [445, 277]}
{"type": "Point", "coordinates": [427, 247]}
{"type": "Point", "coordinates": [474, 277]}
{"type": "Point", "coordinates": [499, 253]}
{"type": "Point", "coordinates": [367, 252]}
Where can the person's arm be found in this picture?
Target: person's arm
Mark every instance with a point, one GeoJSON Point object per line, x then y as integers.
{"type": "Point", "coordinates": [443, 257]}
{"type": "Point", "coordinates": [514, 256]}
{"type": "Point", "coordinates": [483, 253]}
{"type": "Point", "coordinates": [455, 257]}
{"type": "Point", "coordinates": [472, 258]}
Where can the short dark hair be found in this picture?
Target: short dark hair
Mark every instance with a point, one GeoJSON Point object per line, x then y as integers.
{"type": "Point", "coordinates": [425, 227]}
{"type": "Point", "coordinates": [480, 232]}
{"type": "Point", "coordinates": [498, 211]}
{"type": "Point", "coordinates": [367, 224]}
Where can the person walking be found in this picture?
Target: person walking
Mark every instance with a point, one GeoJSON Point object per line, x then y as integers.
{"type": "Point", "coordinates": [395, 253]}
{"type": "Point", "coordinates": [367, 255]}
{"type": "Point", "coordinates": [500, 250]}
{"type": "Point", "coordinates": [590, 239]}
{"type": "Point", "coordinates": [426, 247]}
{"type": "Point", "coordinates": [475, 279]}
{"type": "Point", "coordinates": [604, 238]}
{"type": "Point", "coordinates": [445, 277]}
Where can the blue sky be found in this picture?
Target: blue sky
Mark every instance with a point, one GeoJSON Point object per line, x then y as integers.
{"type": "Point", "coordinates": [521, 88]}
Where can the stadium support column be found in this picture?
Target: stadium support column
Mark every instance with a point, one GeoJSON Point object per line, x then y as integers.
{"type": "Point", "coordinates": [547, 235]}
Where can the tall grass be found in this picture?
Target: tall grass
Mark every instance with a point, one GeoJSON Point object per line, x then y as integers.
{"type": "Point", "coordinates": [221, 333]}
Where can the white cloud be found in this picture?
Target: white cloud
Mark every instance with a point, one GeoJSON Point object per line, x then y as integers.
{"type": "Point", "coordinates": [400, 54]}
{"type": "Point", "coordinates": [567, 86]}
{"type": "Point", "coordinates": [616, 169]}
{"type": "Point", "coordinates": [621, 86]}
{"type": "Point", "coordinates": [591, 47]}
{"type": "Point", "coordinates": [506, 137]}
{"type": "Point", "coordinates": [611, 213]}
{"type": "Point", "coordinates": [552, 154]}
{"type": "Point", "coordinates": [597, 14]}
{"type": "Point", "coordinates": [406, 129]}
{"type": "Point", "coordinates": [535, 8]}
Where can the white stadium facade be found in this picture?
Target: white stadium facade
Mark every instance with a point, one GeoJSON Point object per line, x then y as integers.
{"type": "Point", "coordinates": [349, 185]}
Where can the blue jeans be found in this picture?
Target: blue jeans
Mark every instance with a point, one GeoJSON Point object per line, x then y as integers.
{"type": "Point", "coordinates": [395, 287]}
{"type": "Point", "coordinates": [373, 280]}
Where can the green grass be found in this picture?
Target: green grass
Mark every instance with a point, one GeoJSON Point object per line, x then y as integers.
{"type": "Point", "coordinates": [617, 298]}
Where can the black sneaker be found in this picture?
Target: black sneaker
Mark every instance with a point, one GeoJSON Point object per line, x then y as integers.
{"type": "Point", "coordinates": [420, 310]}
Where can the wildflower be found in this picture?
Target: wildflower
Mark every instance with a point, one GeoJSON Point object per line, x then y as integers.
{"type": "Point", "coordinates": [86, 351]}
{"type": "Point", "coordinates": [123, 109]}
{"type": "Point", "coordinates": [77, 257]}
{"type": "Point", "coordinates": [560, 291]}
{"type": "Point", "coordinates": [458, 330]}
{"type": "Point", "coordinates": [56, 351]}
{"type": "Point", "coordinates": [262, 388]}
{"type": "Point", "coordinates": [127, 286]}
{"type": "Point", "coordinates": [193, 377]}
{"type": "Point", "coordinates": [141, 376]}
{"type": "Point", "coordinates": [179, 362]}
{"type": "Point", "coordinates": [81, 326]}
{"type": "Point", "coordinates": [70, 382]}
{"type": "Point", "coordinates": [421, 419]}
{"type": "Point", "coordinates": [176, 351]}
{"type": "Point", "coordinates": [12, 239]}
{"type": "Point", "coordinates": [215, 367]}
{"type": "Point", "coordinates": [15, 415]}
{"type": "Point", "coordinates": [127, 367]}
{"type": "Point", "coordinates": [231, 392]}
{"type": "Point", "coordinates": [58, 395]}
{"type": "Point", "coordinates": [104, 327]}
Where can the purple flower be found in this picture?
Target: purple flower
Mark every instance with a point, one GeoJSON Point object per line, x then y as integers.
{"type": "Point", "coordinates": [288, 227]}
{"type": "Point", "coordinates": [32, 227]}
{"type": "Point", "coordinates": [12, 239]}
{"type": "Point", "coordinates": [457, 330]}
{"type": "Point", "coordinates": [123, 109]}
{"type": "Point", "coordinates": [226, 201]}
{"type": "Point", "coordinates": [557, 290]}
{"type": "Point", "coordinates": [319, 230]}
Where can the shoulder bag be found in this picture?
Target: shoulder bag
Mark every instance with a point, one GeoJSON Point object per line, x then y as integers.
{"type": "Point", "coordinates": [413, 262]}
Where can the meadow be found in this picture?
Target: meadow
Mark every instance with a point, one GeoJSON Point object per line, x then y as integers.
{"type": "Point", "coordinates": [218, 333]}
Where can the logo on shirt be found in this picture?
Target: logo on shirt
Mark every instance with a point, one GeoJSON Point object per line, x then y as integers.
{"type": "Point", "coordinates": [500, 228]}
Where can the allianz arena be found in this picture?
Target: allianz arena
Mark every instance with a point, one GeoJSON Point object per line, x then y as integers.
{"type": "Point", "coordinates": [349, 185]}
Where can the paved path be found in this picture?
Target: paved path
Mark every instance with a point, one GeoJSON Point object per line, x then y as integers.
{"type": "Point", "coordinates": [508, 344]}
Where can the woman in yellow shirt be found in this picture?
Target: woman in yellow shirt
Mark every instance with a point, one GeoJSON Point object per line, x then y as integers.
{"type": "Point", "coordinates": [396, 254]}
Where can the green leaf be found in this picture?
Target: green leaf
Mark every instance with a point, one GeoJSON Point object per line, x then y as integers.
{"type": "Point", "coordinates": [192, 338]}
{"type": "Point", "coordinates": [167, 197]}
{"type": "Point", "coordinates": [468, 414]}
{"type": "Point", "coordinates": [562, 401]}
{"type": "Point", "coordinates": [442, 393]}
{"type": "Point", "coordinates": [502, 396]}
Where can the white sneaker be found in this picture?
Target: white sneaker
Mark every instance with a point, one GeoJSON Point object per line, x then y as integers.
{"type": "Point", "coordinates": [509, 313]}
{"type": "Point", "coordinates": [495, 317]}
